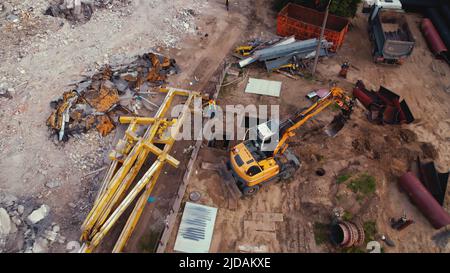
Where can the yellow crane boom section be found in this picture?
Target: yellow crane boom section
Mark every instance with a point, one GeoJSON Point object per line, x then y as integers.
{"type": "Point", "coordinates": [129, 155]}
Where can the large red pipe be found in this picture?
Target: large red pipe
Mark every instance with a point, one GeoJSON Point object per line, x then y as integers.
{"type": "Point", "coordinates": [365, 99]}
{"type": "Point", "coordinates": [432, 36]}
{"type": "Point", "coordinates": [426, 203]}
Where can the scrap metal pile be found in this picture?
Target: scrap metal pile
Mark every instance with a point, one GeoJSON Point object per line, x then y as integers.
{"type": "Point", "coordinates": [284, 53]}
{"type": "Point", "coordinates": [384, 106]}
{"type": "Point", "coordinates": [97, 101]}
{"type": "Point", "coordinates": [76, 10]}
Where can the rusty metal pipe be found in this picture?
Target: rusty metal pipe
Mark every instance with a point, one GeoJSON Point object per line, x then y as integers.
{"type": "Point", "coordinates": [425, 202]}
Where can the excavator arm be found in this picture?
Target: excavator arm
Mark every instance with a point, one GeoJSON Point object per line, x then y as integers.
{"type": "Point", "coordinates": [288, 127]}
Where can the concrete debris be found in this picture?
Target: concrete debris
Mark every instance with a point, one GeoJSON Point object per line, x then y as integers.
{"type": "Point", "coordinates": [73, 246]}
{"type": "Point", "coordinates": [20, 209]}
{"type": "Point", "coordinates": [5, 223]}
{"type": "Point", "coordinates": [7, 199]}
{"type": "Point", "coordinates": [5, 93]}
{"type": "Point", "coordinates": [16, 220]}
{"type": "Point", "coordinates": [39, 214]}
{"type": "Point", "coordinates": [52, 235]}
{"type": "Point", "coordinates": [97, 101]}
{"type": "Point", "coordinates": [40, 245]}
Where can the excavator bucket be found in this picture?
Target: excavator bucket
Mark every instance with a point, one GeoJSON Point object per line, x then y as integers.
{"type": "Point", "coordinates": [336, 125]}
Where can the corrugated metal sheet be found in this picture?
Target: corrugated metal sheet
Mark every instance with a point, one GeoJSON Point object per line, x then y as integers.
{"type": "Point", "coordinates": [263, 87]}
{"type": "Point", "coordinates": [196, 229]}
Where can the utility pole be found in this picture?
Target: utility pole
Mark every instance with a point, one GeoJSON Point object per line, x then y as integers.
{"type": "Point", "coordinates": [322, 31]}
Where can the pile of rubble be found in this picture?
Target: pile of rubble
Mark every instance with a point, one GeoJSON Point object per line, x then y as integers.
{"type": "Point", "coordinates": [26, 230]}
{"type": "Point", "coordinates": [98, 100]}
{"type": "Point", "coordinates": [77, 10]}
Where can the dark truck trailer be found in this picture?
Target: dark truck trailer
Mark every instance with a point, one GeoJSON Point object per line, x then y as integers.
{"type": "Point", "coordinates": [391, 37]}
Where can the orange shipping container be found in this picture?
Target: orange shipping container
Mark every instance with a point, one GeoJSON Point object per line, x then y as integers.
{"type": "Point", "coordinates": [306, 23]}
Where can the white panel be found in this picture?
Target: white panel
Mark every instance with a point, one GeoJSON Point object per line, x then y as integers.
{"type": "Point", "coordinates": [263, 87]}
{"type": "Point", "coordinates": [196, 228]}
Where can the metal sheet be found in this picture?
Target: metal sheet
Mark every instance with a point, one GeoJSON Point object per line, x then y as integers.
{"type": "Point", "coordinates": [263, 87]}
{"type": "Point", "coordinates": [196, 229]}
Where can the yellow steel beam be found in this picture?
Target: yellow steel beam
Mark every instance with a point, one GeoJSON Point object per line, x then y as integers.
{"type": "Point", "coordinates": [124, 205]}
{"type": "Point", "coordinates": [157, 151]}
{"type": "Point", "coordinates": [119, 175]}
{"type": "Point", "coordinates": [137, 120]}
{"type": "Point", "coordinates": [142, 201]}
{"type": "Point", "coordinates": [126, 182]}
{"type": "Point", "coordinates": [119, 183]}
{"type": "Point", "coordinates": [135, 215]}
{"type": "Point", "coordinates": [112, 187]}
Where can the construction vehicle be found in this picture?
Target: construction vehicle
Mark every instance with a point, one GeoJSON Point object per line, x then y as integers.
{"type": "Point", "coordinates": [391, 36]}
{"type": "Point", "coordinates": [266, 157]}
{"type": "Point", "coordinates": [395, 5]}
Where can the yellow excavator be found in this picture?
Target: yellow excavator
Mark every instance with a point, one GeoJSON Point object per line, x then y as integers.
{"type": "Point", "coordinates": [266, 157]}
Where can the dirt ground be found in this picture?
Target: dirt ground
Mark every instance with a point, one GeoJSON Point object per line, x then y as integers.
{"type": "Point", "coordinates": [282, 216]}
{"type": "Point", "coordinates": [47, 54]}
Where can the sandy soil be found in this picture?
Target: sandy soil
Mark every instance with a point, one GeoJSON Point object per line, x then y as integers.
{"type": "Point", "coordinates": [281, 216]}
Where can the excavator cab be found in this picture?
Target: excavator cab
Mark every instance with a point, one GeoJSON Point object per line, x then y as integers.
{"type": "Point", "coordinates": [265, 136]}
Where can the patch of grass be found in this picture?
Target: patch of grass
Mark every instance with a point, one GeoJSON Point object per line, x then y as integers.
{"type": "Point", "coordinates": [364, 184]}
{"type": "Point", "coordinates": [347, 216]}
{"type": "Point", "coordinates": [320, 233]}
{"type": "Point", "coordinates": [342, 178]}
{"type": "Point", "coordinates": [370, 230]}
{"type": "Point", "coordinates": [353, 249]}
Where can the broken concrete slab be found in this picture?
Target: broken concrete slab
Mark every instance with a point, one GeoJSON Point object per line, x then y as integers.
{"type": "Point", "coordinates": [39, 214]}
{"type": "Point", "coordinates": [7, 199]}
{"type": "Point", "coordinates": [5, 223]}
{"type": "Point", "coordinates": [40, 245]}
{"type": "Point", "coordinates": [73, 247]}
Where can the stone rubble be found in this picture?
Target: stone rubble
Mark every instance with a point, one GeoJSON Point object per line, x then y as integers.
{"type": "Point", "coordinates": [38, 214]}
{"type": "Point", "coordinates": [30, 234]}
